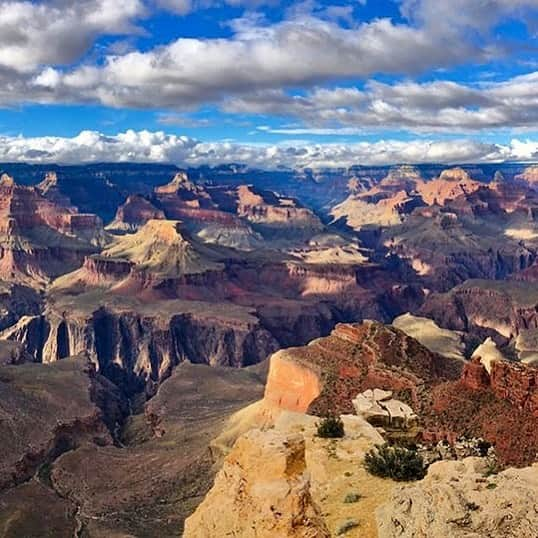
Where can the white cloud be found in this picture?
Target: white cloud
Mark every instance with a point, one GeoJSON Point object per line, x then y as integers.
{"type": "Point", "coordinates": [428, 107]}
{"type": "Point", "coordinates": [145, 146]}
{"type": "Point", "coordinates": [59, 32]}
{"type": "Point", "coordinates": [42, 43]}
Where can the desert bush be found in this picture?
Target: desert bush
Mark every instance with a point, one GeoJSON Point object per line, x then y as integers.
{"type": "Point", "coordinates": [395, 462]}
{"type": "Point", "coordinates": [330, 427]}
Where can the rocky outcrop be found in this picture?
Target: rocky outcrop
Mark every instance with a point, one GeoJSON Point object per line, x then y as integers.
{"type": "Point", "coordinates": [133, 214]}
{"type": "Point", "coordinates": [325, 376]}
{"type": "Point", "coordinates": [376, 208]}
{"type": "Point", "coordinates": [458, 499]}
{"type": "Point", "coordinates": [50, 189]}
{"type": "Point", "coordinates": [488, 353]}
{"type": "Point", "coordinates": [41, 239]}
{"type": "Point", "coordinates": [529, 175]}
{"type": "Point", "coordinates": [500, 406]}
{"type": "Point", "coordinates": [451, 184]}
{"type": "Point", "coordinates": [517, 384]}
{"type": "Point", "coordinates": [160, 248]}
{"type": "Point", "coordinates": [274, 215]}
{"type": "Point", "coordinates": [379, 408]}
{"type": "Point", "coordinates": [261, 491]}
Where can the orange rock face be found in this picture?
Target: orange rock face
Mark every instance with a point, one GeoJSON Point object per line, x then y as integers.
{"type": "Point", "coordinates": [291, 386]}
{"type": "Point", "coordinates": [135, 212]}
{"type": "Point", "coordinates": [450, 185]}
{"type": "Point", "coordinates": [475, 375]}
{"type": "Point", "coordinates": [326, 375]}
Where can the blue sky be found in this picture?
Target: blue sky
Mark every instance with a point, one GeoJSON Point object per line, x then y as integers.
{"type": "Point", "coordinates": [370, 80]}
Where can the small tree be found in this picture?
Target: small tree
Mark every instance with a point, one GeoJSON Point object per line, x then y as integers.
{"type": "Point", "coordinates": [395, 462]}
{"type": "Point", "coordinates": [330, 427]}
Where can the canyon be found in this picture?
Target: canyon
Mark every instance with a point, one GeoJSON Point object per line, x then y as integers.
{"type": "Point", "coordinates": [170, 329]}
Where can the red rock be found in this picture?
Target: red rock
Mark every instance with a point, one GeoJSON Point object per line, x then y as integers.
{"type": "Point", "coordinates": [134, 213]}
{"type": "Point", "coordinates": [475, 375]}
{"type": "Point", "coordinates": [325, 376]}
{"type": "Point", "coordinates": [41, 239]}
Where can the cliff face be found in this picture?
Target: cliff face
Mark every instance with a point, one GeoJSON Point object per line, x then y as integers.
{"type": "Point", "coordinates": [133, 214]}
{"type": "Point", "coordinates": [261, 491]}
{"type": "Point", "coordinates": [506, 308]}
{"type": "Point", "coordinates": [41, 239]}
{"type": "Point", "coordinates": [138, 350]}
{"type": "Point", "coordinates": [326, 375]}
{"type": "Point", "coordinates": [509, 381]}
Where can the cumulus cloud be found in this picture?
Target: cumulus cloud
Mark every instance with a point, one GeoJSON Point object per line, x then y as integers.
{"type": "Point", "coordinates": [258, 61]}
{"type": "Point", "coordinates": [189, 72]}
{"type": "Point", "coordinates": [43, 47]}
{"type": "Point", "coordinates": [427, 107]}
{"type": "Point", "coordinates": [159, 147]}
{"type": "Point", "coordinates": [59, 32]}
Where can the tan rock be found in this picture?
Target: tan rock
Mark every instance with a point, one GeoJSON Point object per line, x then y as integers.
{"type": "Point", "coordinates": [262, 491]}
{"type": "Point", "coordinates": [381, 409]}
{"type": "Point", "coordinates": [457, 500]}
{"type": "Point", "coordinates": [429, 334]}
{"type": "Point", "coordinates": [488, 353]}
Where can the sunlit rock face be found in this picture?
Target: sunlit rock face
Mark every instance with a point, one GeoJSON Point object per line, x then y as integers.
{"type": "Point", "coordinates": [134, 213]}
{"type": "Point", "coordinates": [429, 334]}
{"type": "Point", "coordinates": [261, 491]}
{"type": "Point", "coordinates": [467, 502]}
{"type": "Point", "coordinates": [39, 238]}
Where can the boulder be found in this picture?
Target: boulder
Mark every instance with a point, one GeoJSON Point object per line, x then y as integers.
{"type": "Point", "coordinates": [381, 409]}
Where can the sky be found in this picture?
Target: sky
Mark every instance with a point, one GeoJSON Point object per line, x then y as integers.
{"type": "Point", "coordinates": [268, 83]}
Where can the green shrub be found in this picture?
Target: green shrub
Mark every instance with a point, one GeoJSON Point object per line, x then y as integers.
{"type": "Point", "coordinates": [395, 462]}
{"type": "Point", "coordinates": [330, 427]}
{"type": "Point", "coordinates": [352, 498]}
{"type": "Point", "coordinates": [347, 526]}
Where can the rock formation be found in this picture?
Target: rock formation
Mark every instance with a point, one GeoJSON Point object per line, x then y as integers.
{"type": "Point", "coordinates": [325, 376]}
{"type": "Point", "coordinates": [429, 334]}
{"type": "Point", "coordinates": [503, 308]}
{"type": "Point", "coordinates": [529, 175]}
{"type": "Point", "coordinates": [451, 184]}
{"type": "Point", "coordinates": [500, 406]}
{"type": "Point", "coordinates": [49, 188]}
{"type": "Point", "coordinates": [261, 491]}
{"type": "Point", "coordinates": [41, 239]}
{"type": "Point", "coordinates": [459, 499]}
{"type": "Point", "coordinates": [133, 214]}
{"type": "Point", "coordinates": [275, 215]}
{"type": "Point", "coordinates": [488, 353]}
{"type": "Point", "coordinates": [380, 409]}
